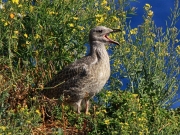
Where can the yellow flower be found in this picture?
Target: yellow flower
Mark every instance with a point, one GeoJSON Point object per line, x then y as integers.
{"type": "Point", "coordinates": [37, 36]}
{"type": "Point", "coordinates": [122, 40]}
{"type": "Point", "coordinates": [26, 35]}
{"type": "Point", "coordinates": [134, 95]}
{"type": "Point", "coordinates": [141, 133]}
{"type": "Point", "coordinates": [126, 124]}
{"type": "Point", "coordinates": [115, 18]}
{"type": "Point", "coordinates": [123, 32]}
{"type": "Point", "coordinates": [80, 27]}
{"type": "Point", "coordinates": [99, 18]}
{"type": "Point", "coordinates": [104, 111]}
{"type": "Point", "coordinates": [31, 8]}
{"type": "Point", "coordinates": [75, 18]}
{"type": "Point", "coordinates": [109, 93]}
{"type": "Point", "coordinates": [11, 15]}
{"type": "Point", "coordinates": [178, 49]}
{"type": "Point", "coordinates": [147, 6]}
{"type": "Point", "coordinates": [2, 6]}
{"type": "Point", "coordinates": [107, 8]}
{"type": "Point", "coordinates": [97, 113]}
{"type": "Point", "coordinates": [16, 32]}
{"type": "Point", "coordinates": [150, 13]}
{"type": "Point", "coordinates": [51, 12]}
{"type": "Point", "coordinates": [127, 50]}
{"type": "Point", "coordinates": [74, 30]}
{"type": "Point", "coordinates": [104, 2]}
{"type": "Point", "coordinates": [71, 25]}
{"type": "Point", "coordinates": [122, 14]}
{"type": "Point", "coordinates": [20, 5]}
{"type": "Point", "coordinates": [98, 15]}
{"type": "Point", "coordinates": [3, 128]}
{"type": "Point", "coordinates": [134, 113]}
{"type": "Point", "coordinates": [133, 31]}
{"type": "Point", "coordinates": [28, 121]}
{"type": "Point", "coordinates": [107, 122]}
{"type": "Point", "coordinates": [15, 1]}
{"type": "Point", "coordinates": [22, 109]}
{"type": "Point", "coordinates": [38, 112]}
{"type": "Point", "coordinates": [6, 23]}
{"type": "Point", "coordinates": [27, 42]}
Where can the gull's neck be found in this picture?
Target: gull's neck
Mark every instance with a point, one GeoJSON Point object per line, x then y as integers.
{"type": "Point", "coordinates": [98, 50]}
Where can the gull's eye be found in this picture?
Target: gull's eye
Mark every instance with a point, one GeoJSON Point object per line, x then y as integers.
{"type": "Point", "coordinates": [99, 31]}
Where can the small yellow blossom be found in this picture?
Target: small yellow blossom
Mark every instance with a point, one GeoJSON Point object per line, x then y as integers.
{"type": "Point", "coordinates": [150, 13]}
{"type": "Point", "coordinates": [109, 93]}
{"type": "Point", "coordinates": [31, 8]}
{"type": "Point", "coordinates": [37, 36]}
{"type": "Point", "coordinates": [104, 111]}
{"type": "Point", "coordinates": [51, 12]}
{"type": "Point", "coordinates": [122, 40]}
{"type": "Point", "coordinates": [3, 128]}
{"type": "Point", "coordinates": [99, 18]}
{"type": "Point", "coordinates": [104, 2]}
{"type": "Point", "coordinates": [2, 6]}
{"type": "Point", "coordinates": [122, 14]}
{"type": "Point", "coordinates": [127, 50]}
{"type": "Point", "coordinates": [178, 49]}
{"type": "Point", "coordinates": [6, 23]}
{"type": "Point", "coordinates": [15, 1]}
{"type": "Point", "coordinates": [28, 121]}
{"type": "Point", "coordinates": [80, 27]}
{"type": "Point", "coordinates": [12, 16]}
{"type": "Point", "coordinates": [126, 124]}
{"type": "Point", "coordinates": [141, 133]}
{"type": "Point", "coordinates": [134, 95]}
{"type": "Point", "coordinates": [133, 31]}
{"type": "Point", "coordinates": [147, 6]}
{"type": "Point", "coordinates": [98, 15]}
{"type": "Point", "coordinates": [71, 25]}
{"type": "Point", "coordinates": [75, 18]}
{"type": "Point", "coordinates": [134, 113]}
{"type": "Point", "coordinates": [26, 35]}
{"type": "Point", "coordinates": [115, 18]}
{"type": "Point", "coordinates": [140, 53]}
{"type": "Point", "coordinates": [20, 5]}
{"type": "Point", "coordinates": [22, 109]}
{"type": "Point", "coordinates": [123, 32]}
{"type": "Point", "coordinates": [16, 32]}
{"type": "Point", "coordinates": [38, 112]}
{"type": "Point", "coordinates": [97, 113]}
{"type": "Point", "coordinates": [74, 30]}
{"type": "Point", "coordinates": [107, 8]}
{"type": "Point", "coordinates": [27, 42]}
{"type": "Point", "coordinates": [107, 122]}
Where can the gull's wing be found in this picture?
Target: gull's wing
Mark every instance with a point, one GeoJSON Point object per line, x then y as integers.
{"type": "Point", "coordinates": [69, 72]}
{"type": "Point", "coordinates": [69, 78]}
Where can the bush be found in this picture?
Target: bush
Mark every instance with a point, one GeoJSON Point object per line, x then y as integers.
{"type": "Point", "coordinates": [38, 40]}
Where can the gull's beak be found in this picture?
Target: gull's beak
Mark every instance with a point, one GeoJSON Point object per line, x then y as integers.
{"type": "Point", "coordinates": [115, 30]}
{"type": "Point", "coordinates": [110, 40]}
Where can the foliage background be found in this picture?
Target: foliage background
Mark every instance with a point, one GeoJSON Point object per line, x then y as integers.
{"type": "Point", "coordinates": [37, 41]}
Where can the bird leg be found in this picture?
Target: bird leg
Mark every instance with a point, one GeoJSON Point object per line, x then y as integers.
{"type": "Point", "coordinates": [78, 109]}
{"type": "Point", "coordinates": [87, 106]}
{"type": "Point", "coordinates": [78, 105]}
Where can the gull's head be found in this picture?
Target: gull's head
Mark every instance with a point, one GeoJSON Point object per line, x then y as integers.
{"type": "Point", "coordinates": [100, 34]}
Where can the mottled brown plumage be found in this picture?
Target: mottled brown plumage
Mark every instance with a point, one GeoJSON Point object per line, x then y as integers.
{"type": "Point", "coordinates": [85, 77]}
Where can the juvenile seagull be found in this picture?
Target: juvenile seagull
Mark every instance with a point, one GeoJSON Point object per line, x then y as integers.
{"type": "Point", "coordinates": [84, 78]}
